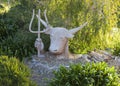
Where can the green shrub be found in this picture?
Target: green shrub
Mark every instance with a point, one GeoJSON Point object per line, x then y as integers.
{"type": "Point", "coordinates": [7, 26]}
{"type": "Point", "coordinates": [14, 73]}
{"type": "Point", "coordinates": [90, 74]}
{"type": "Point", "coordinates": [117, 50]}
{"type": "Point", "coordinates": [20, 45]}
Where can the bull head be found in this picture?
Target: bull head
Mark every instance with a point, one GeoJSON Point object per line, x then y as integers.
{"type": "Point", "coordinates": [58, 36]}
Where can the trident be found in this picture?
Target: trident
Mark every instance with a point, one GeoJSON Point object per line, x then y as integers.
{"type": "Point", "coordinates": [38, 43]}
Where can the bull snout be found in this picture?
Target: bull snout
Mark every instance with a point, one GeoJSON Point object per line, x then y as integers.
{"type": "Point", "coordinates": [55, 51]}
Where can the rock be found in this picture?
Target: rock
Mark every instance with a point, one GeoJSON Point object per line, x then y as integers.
{"type": "Point", "coordinates": [106, 54]}
{"type": "Point", "coordinates": [98, 57]}
{"type": "Point", "coordinates": [85, 58]}
{"type": "Point", "coordinates": [42, 68]}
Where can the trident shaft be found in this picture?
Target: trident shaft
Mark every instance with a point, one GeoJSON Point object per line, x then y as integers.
{"type": "Point", "coordinates": [38, 43]}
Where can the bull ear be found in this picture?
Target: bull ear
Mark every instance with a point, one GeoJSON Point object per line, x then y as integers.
{"type": "Point", "coordinates": [69, 35]}
{"type": "Point", "coordinates": [74, 30]}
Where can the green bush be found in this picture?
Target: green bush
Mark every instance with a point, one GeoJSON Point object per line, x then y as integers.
{"type": "Point", "coordinates": [117, 50]}
{"type": "Point", "coordinates": [20, 45]}
{"type": "Point", "coordinates": [14, 73]}
{"type": "Point", "coordinates": [7, 27]}
{"type": "Point", "coordinates": [90, 74]}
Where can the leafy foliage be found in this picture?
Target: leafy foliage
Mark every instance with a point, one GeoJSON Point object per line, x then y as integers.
{"type": "Point", "coordinates": [14, 73]}
{"type": "Point", "coordinates": [7, 26]}
{"type": "Point", "coordinates": [117, 50]}
{"type": "Point", "coordinates": [21, 45]}
{"type": "Point", "coordinates": [90, 74]}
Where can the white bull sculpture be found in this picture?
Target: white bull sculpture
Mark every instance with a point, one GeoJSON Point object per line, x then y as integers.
{"type": "Point", "coordinates": [58, 37]}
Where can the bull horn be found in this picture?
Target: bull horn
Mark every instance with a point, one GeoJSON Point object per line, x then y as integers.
{"type": "Point", "coordinates": [74, 30]}
{"type": "Point", "coordinates": [42, 21]}
{"type": "Point", "coordinates": [46, 19]}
